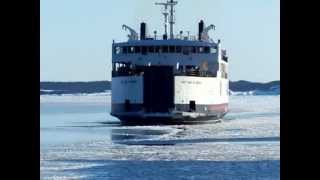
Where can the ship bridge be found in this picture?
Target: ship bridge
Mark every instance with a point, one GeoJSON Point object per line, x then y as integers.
{"type": "Point", "coordinates": [184, 53]}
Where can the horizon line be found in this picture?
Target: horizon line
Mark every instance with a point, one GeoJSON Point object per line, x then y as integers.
{"type": "Point", "coordinates": [110, 81]}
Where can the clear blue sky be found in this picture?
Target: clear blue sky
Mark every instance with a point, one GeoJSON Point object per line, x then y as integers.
{"type": "Point", "coordinates": [76, 35]}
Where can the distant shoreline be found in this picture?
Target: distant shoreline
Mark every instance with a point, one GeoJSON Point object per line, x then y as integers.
{"type": "Point", "coordinates": [89, 87]}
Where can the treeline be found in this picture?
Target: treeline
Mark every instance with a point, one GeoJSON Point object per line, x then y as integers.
{"type": "Point", "coordinates": [74, 87]}
{"type": "Point", "coordinates": [102, 86]}
{"type": "Point", "coordinates": [250, 86]}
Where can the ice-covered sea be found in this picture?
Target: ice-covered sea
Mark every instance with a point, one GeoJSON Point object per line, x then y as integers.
{"type": "Point", "coordinates": [80, 140]}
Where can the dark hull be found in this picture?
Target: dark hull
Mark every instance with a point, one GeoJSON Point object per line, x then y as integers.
{"type": "Point", "coordinates": [211, 109]}
{"type": "Point", "coordinates": [168, 121]}
{"type": "Point", "coordinates": [182, 116]}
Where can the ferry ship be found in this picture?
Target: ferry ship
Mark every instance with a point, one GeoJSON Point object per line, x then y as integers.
{"type": "Point", "coordinates": [171, 77]}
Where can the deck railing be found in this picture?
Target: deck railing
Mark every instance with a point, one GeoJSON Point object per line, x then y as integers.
{"type": "Point", "coordinates": [175, 37]}
{"type": "Point", "coordinates": [178, 36]}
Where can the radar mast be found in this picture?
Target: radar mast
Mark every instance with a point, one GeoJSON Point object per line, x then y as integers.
{"type": "Point", "coordinates": [170, 3]}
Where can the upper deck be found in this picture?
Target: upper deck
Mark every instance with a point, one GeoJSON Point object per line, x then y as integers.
{"type": "Point", "coordinates": [176, 50]}
{"type": "Point", "coordinates": [174, 42]}
{"type": "Point", "coordinates": [182, 52]}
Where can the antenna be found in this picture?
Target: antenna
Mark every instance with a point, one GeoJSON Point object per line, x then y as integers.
{"type": "Point", "coordinates": [170, 3]}
{"type": "Point", "coordinates": [155, 35]}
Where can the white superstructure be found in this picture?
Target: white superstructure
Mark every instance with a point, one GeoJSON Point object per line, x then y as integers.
{"type": "Point", "coordinates": [174, 78]}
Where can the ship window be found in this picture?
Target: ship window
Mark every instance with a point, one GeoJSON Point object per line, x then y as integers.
{"type": "Point", "coordinates": [206, 49]}
{"type": "Point", "coordinates": [137, 49]}
{"type": "Point", "coordinates": [124, 49]}
{"type": "Point", "coordinates": [224, 55]}
{"type": "Point", "coordinates": [190, 67]}
{"type": "Point", "coordinates": [185, 50]}
{"type": "Point", "coordinates": [131, 49]}
{"type": "Point", "coordinates": [165, 49]}
{"type": "Point", "coordinates": [201, 50]}
{"type": "Point", "coordinates": [117, 50]}
{"type": "Point", "coordinates": [225, 58]}
{"type": "Point", "coordinates": [178, 49]}
{"type": "Point", "coordinates": [171, 49]}
{"type": "Point", "coordinates": [144, 50]}
{"type": "Point", "coordinates": [213, 50]}
{"type": "Point", "coordinates": [151, 49]}
{"type": "Point", "coordinates": [193, 49]}
{"type": "Point", "coordinates": [157, 49]}
{"type": "Point", "coordinates": [113, 66]}
{"type": "Point", "coordinates": [116, 66]}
